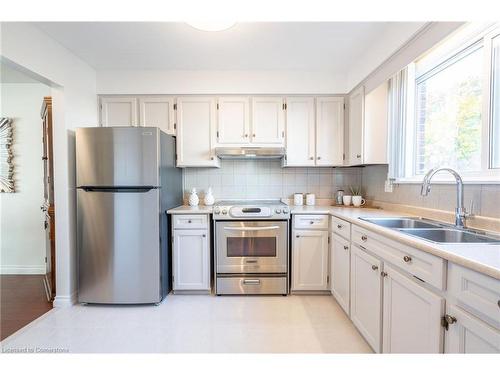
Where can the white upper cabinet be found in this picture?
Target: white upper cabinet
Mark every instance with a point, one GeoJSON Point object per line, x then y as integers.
{"type": "Point", "coordinates": [196, 132]}
{"type": "Point", "coordinates": [329, 131]}
{"type": "Point", "coordinates": [412, 316]}
{"type": "Point", "coordinates": [356, 121]}
{"type": "Point", "coordinates": [268, 120]}
{"type": "Point", "coordinates": [233, 123]}
{"type": "Point", "coordinates": [118, 111]}
{"type": "Point", "coordinates": [158, 111]}
{"type": "Point", "coordinates": [300, 132]}
{"type": "Point", "coordinates": [375, 126]}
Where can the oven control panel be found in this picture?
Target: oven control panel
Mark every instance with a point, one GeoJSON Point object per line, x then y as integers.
{"type": "Point", "coordinates": [251, 212]}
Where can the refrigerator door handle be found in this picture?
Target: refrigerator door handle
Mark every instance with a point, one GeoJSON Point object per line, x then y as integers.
{"type": "Point", "coordinates": [128, 189]}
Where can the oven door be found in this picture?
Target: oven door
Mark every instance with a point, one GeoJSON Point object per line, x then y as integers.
{"type": "Point", "coordinates": [251, 246]}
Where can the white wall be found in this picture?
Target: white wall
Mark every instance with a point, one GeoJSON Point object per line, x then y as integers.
{"type": "Point", "coordinates": [218, 82]}
{"type": "Point", "coordinates": [74, 105]}
{"type": "Point", "coordinates": [22, 248]}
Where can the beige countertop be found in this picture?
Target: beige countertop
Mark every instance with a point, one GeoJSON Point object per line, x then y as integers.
{"type": "Point", "coordinates": [479, 257]}
{"type": "Point", "coordinates": [483, 258]}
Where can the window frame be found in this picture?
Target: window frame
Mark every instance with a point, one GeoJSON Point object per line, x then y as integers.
{"type": "Point", "coordinates": [487, 174]}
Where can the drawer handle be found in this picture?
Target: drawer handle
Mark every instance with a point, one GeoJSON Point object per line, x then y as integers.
{"type": "Point", "coordinates": [346, 247]}
{"type": "Point", "coordinates": [384, 274]}
{"type": "Point", "coordinates": [251, 282]}
{"type": "Point", "coordinates": [407, 258]}
{"type": "Point", "coordinates": [374, 267]}
{"type": "Point", "coordinates": [339, 226]}
{"type": "Point", "coordinates": [251, 261]}
{"type": "Point", "coordinates": [364, 238]}
{"type": "Point", "coordinates": [189, 221]}
{"type": "Point", "coordinates": [297, 236]}
{"type": "Point", "coordinates": [311, 222]}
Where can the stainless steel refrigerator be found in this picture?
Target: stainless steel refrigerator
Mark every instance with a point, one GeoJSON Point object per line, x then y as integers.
{"type": "Point", "coordinates": [126, 180]}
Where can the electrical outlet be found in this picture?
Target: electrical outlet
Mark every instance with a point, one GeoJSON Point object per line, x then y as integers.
{"type": "Point", "coordinates": [388, 187]}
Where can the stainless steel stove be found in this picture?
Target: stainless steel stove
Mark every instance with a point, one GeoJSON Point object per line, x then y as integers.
{"type": "Point", "coordinates": [251, 241]}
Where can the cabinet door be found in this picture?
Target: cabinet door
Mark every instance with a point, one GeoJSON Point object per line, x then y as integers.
{"type": "Point", "coordinates": [310, 260]}
{"type": "Point", "coordinates": [233, 120]}
{"type": "Point", "coordinates": [329, 131]}
{"type": "Point", "coordinates": [158, 111]}
{"type": "Point", "coordinates": [191, 260]}
{"type": "Point", "coordinates": [300, 132]}
{"type": "Point", "coordinates": [375, 126]}
{"type": "Point", "coordinates": [196, 132]}
{"type": "Point", "coordinates": [119, 111]}
{"type": "Point", "coordinates": [412, 316]}
{"type": "Point", "coordinates": [340, 262]}
{"type": "Point", "coordinates": [268, 120]}
{"type": "Point", "coordinates": [356, 120]}
{"type": "Point", "coordinates": [366, 296]}
{"type": "Point", "coordinates": [469, 334]}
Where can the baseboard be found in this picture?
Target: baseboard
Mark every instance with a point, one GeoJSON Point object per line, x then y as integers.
{"type": "Point", "coordinates": [22, 270]}
{"type": "Point", "coordinates": [65, 301]}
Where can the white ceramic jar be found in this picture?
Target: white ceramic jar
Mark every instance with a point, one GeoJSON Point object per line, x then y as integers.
{"type": "Point", "coordinates": [209, 197]}
{"type": "Point", "coordinates": [310, 199]}
{"type": "Point", "coordinates": [193, 198]}
{"type": "Point", "coordinates": [298, 199]}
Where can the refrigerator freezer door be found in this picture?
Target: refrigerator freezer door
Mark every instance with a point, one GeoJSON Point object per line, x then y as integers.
{"type": "Point", "coordinates": [118, 156]}
{"type": "Point", "coordinates": [118, 246]}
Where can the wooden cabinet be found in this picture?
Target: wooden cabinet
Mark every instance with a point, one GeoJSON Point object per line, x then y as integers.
{"type": "Point", "coordinates": [190, 253]}
{"type": "Point", "coordinates": [411, 316]}
{"type": "Point", "coordinates": [329, 131]}
{"type": "Point", "coordinates": [366, 296]}
{"type": "Point", "coordinates": [468, 334]}
{"type": "Point", "coordinates": [310, 260]}
{"type": "Point", "coordinates": [356, 121]}
{"type": "Point", "coordinates": [268, 120]}
{"type": "Point", "coordinates": [300, 132]}
{"type": "Point", "coordinates": [118, 111]}
{"type": "Point", "coordinates": [158, 111]}
{"type": "Point", "coordinates": [340, 264]}
{"type": "Point", "coordinates": [233, 124]}
{"type": "Point", "coordinates": [196, 132]}
{"type": "Point", "coordinates": [314, 131]}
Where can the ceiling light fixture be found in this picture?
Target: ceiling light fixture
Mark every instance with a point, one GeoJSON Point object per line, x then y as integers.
{"type": "Point", "coordinates": [212, 25]}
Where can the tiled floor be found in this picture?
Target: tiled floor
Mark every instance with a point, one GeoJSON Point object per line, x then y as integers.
{"type": "Point", "coordinates": [186, 323]}
{"type": "Point", "coordinates": [22, 300]}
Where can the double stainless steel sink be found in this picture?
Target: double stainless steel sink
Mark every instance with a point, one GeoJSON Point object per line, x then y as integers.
{"type": "Point", "coordinates": [432, 230]}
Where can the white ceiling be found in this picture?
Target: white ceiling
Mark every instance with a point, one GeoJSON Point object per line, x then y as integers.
{"type": "Point", "coordinates": [305, 46]}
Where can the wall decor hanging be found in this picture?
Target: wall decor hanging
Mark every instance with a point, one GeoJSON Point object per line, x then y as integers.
{"type": "Point", "coordinates": [6, 155]}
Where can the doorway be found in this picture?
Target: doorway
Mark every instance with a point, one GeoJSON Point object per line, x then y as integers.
{"type": "Point", "coordinates": [27, 248]}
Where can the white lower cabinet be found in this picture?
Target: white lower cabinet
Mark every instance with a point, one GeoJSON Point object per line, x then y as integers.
{"type": "Point", "coordinates": [191, 260]}
{"type": "Point", "coordinates": [468, 334]}
{"type": "Point", "coordinates": [366, 296]}
{"type": "Point", "coordinates": [339, 270]}
{"type": "Point", "coordinates": [411, 316]}
{"type": "Point", "coordinates": [310, 260]}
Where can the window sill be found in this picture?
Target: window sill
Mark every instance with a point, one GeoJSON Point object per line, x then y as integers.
{"type": "Point", "coordinates": [450, 181]}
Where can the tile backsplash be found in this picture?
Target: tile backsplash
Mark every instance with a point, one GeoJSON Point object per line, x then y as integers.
{"type": "Point", "coordinates": [441, 197]}
{"type": "Point", "coordinates": [266, 179]}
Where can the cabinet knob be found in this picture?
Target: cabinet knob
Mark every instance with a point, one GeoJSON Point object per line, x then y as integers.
{"type": "Point", "coordinates": [311, 158]}
{"type": "Point", "coordinates": [189, 221]}
{"type": "Point", "coordinates": [311, 222]}
{"type": "Point", "coordinates": [246, 135]}
{"type": "Point", "coordinates": [384, 274]}
{"type": "Point", "coordinates": [407, 259]}
{"type": "Point", "coordinates": [358, 156]}
{"type": "Point", "coordinates": [253, 135]}
{"type": "Point", "coordinates": [450, 319]}
{"type": "Point", "coordinates": [364, 238]}
{"type": "Point", "coordinates": [346, 247]}
{"type": "Point", "coordinates": [203, 235]}
{"type": "Point", "coordinates": [212, 158]}
{"type": "Point", "coordinates": [339, 226]}
{"type": "Point", "coordinates": [297, 236]}
{"type": "Point", "coordinates": [374, 267]}
{"type": "Point", "coordinates": [319, 157]}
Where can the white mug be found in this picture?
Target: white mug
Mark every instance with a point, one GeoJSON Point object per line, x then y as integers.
{"type": "Point", "coordinates": [347, 200]}
{"type": "Point", "coordinates": [310, 199]}
{"type": "Point", "coordinates": [358, 201]}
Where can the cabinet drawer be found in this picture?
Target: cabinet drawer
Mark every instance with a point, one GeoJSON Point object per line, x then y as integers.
{"type": "Point", "coordinates": [252, 285]}
{"type": "Point", "coordinates": [477, 293]}
{"type": "Point", "coordinates": [426, 267]}
{"type": "Point", "coordinates": [341, 227]}
{"type": "Point", "coordinates": [310, 221]}
{"type": "Point", "coordinates": [190, 221]}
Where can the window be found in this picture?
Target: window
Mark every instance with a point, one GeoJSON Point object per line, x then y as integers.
{"type": "Point", "coordinates": [452, 104]}
{"type": "Point", "coordinates": [448, 115]}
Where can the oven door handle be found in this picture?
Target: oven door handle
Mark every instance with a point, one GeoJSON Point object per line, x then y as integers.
{"type": "Point", "coordinates": [251, 228]}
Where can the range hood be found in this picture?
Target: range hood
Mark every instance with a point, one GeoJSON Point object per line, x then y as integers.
{"type": "Point", "coordinates": [250, 152]}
